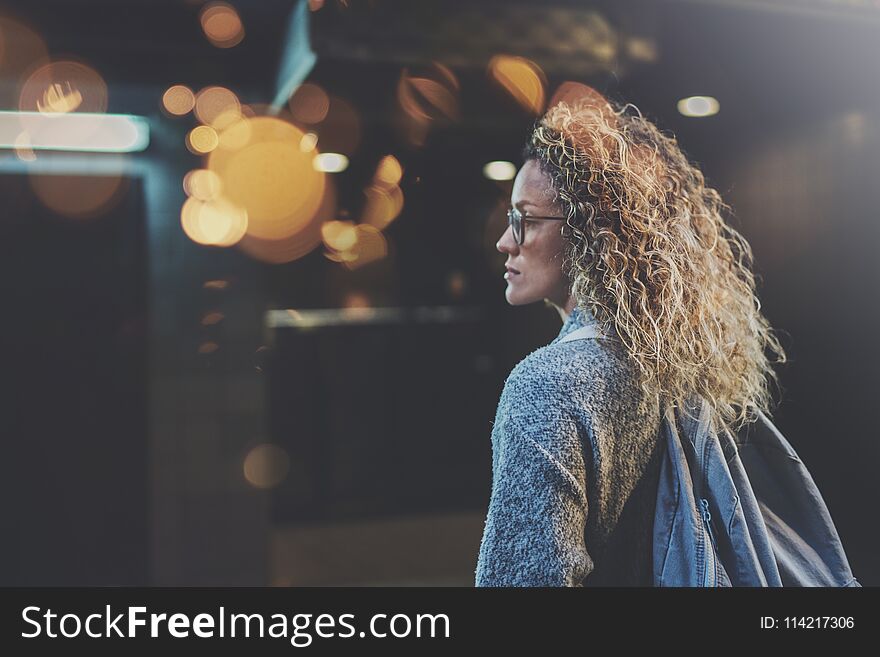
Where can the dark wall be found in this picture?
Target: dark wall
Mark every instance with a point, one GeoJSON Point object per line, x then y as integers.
{"type": "Point", "coordinates": [74, 401]}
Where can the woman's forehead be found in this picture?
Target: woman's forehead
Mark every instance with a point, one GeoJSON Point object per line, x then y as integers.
{"type": "Point", "coordinates": [532, 186]}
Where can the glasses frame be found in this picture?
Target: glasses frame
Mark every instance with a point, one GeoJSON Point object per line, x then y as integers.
{"type": "Point", "coordinates": [516, 219]}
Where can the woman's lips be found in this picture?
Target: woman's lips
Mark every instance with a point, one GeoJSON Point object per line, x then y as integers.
{"type": "Point", "coordinates": [510, 273]}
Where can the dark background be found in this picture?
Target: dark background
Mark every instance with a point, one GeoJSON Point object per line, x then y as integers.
{"type": "Point", "coordinates": [126, 442]}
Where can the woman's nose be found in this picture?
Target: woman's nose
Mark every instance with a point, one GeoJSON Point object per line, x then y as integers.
{"type": "Point", "coordinates": [506, 244]}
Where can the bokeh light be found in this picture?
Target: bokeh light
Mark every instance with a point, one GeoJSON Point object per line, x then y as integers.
{"type": "Point", "coordinates": [309, 104]}
{"type": "Point", "coordinates": [213, 223]}
{"type": "Point", "coordinates": [266, 465]}
{"type": "Point", "coordinates": [382, 205]}
{"type": "Point", "coordinates": [59, 98]}
{"type": "Point", "coordinates": [522, 79]}
{"type": "Point", "coordinates": [641, 49]}
{"type": "Point", "coordinates": [235, 134]}
{"type": "Point", "coordinates": [353, 245]}
{"type": "Point", "coordinates": [217, 107]}
{"type": "Point", "coordinates": [202, 184]}
{"type": "Point", "coordinates": [258, 176]}
{"type": "Point", "coordinates": [23, 150]}
{"type": "Point", "coordinates": [330, 162]}
{"type": "Point", "coordinates": [456, 284]}
{"type": "Point", "coordinates": [388, 172]}
{"type": "Point", "coordinates": [64, 86]}
{"type": "Point", "coordinates": [202, 139]}
{"type": "Point", "coordinates": [369, 247]}
{"type": "Point", "coordinates": [339, 235]}
{"type": "Point", "coordinates": [222, 24]}
{"type": "Point", "coordinates": [178, 100]}
{"type": "Point", "coordinates": [78, 196]}
{"type": "Point", "coordinates": [424, 97]}
{"type": "Point", "coordinates": [697, 106]}
{"type": "Point", "coordinates": [499, 170]}
{"type": "Point", "coordinates": [309, 142]}
{"type": "Point", "coordinates": [208, 347]}
{"type": "Point", "coordinates": [570, 92]}
{"type": "Point", "coordinates": [297, 244]}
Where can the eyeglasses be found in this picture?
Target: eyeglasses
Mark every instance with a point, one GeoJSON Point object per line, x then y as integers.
{"type": "Point", "coordinates": [516, 219]}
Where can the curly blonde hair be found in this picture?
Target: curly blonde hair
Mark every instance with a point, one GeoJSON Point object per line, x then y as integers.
{"type": "Point", "coordinates": [649, 253]}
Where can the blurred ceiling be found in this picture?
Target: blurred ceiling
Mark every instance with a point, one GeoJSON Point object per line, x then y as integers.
{"type": "Point", "coordinates": [761, 58]}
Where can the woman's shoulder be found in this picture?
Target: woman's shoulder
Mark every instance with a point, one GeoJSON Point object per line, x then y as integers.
{"type": "Point", "coordinates": [552, 378]}
{"type": "Point", "coordinates": [562, 364]}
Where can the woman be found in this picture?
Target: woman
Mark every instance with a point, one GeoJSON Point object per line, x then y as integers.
{"type": "Point", "coordinates": [611, 225]}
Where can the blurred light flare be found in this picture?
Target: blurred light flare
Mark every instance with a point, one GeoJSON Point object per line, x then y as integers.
{"type": "Point", "coordinates": [59, 98]}
{"type": "Point", "coordinates": [85, 87]}
{"type": "Point", "coordinates": [641, 49]}
{"type": "Point", "coordinates": [257, 176]}
{"type": "Point", "coordinates": [330, 162]}
{"type": "Point", "coordinates": [178, 100]}
{"type": "Point", "coordinates": [208, 347]}
{"type": "Point", "coordinates": [213, 223]}
{"type": "Point", "coordinates": [234, 135]}
{"type": "Point", "coordinates": [522, 79]}
{"type": "Point", "coordinates": [202, 139]}
{"type": "Point", "coordinates": [78, 196]}
{"type": "Point", "coordinates": [698, 106]}
{"type": "Point", "coordinates": [355, 301]}
{"type": "Point", "coordinates": [309, 104]}
{"type": "Point", "coordinates": [217, 107]}
{"type": "Point", "coordinates": [499, 170]}
{"type": "Point", "coordinates": [570, 92]}
{"type": "Point", "coordinates": [309, 142]}
{"type": "Point", "coordinates": [426, 96]}
{"type": "Point", "coordinates": [222, 24]}
{"type": "Point", "coordinates": [369, 247]}
{"type": "Point", "coordinates": [382, 206]}
{"type": "Point", "coordinates": [339, 235]}
{"type": "Point", "coordinates": [22, 146]}
{"type": "Point", "coordinates": [202, 184]}
{"type": "Point", "coordinates": [456, 283]}
{"type": "Point", "coordinates": [266, 465]}
{"type": "Point", "coordinates": [388, 172]}
{"type": "Point", "coordinates": [353, 245]}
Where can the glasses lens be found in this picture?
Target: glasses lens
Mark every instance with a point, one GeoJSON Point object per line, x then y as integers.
{"type": "Point", "coordinates": [514, 218]}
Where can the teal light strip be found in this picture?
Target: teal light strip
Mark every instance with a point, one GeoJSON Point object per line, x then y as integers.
{"type": "Point", "coordinates": [74, 131]}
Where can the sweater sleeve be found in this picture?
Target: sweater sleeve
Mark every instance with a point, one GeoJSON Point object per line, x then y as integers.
{"type": "Point", "coordinates": [534, 529]}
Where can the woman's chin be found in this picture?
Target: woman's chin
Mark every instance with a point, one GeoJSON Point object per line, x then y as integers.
{"type": "Point", "coordinates": [516, 298]}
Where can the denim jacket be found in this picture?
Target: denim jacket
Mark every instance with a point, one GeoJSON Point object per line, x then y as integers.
{"type": "Point", "coordinates": [741, 510]}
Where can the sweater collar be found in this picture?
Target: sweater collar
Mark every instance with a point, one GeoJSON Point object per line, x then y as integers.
{"type": "Point", "coordinates": [579, 317]}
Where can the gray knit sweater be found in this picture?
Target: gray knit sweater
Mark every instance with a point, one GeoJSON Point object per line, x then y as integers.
{"type": "Point", "coordinates": [575, 467]}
